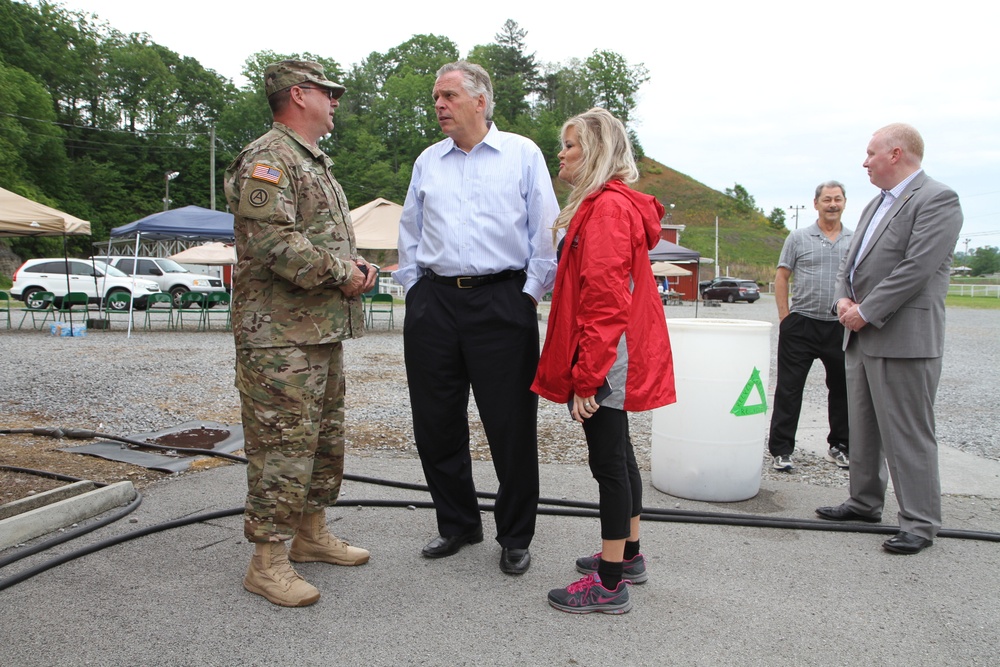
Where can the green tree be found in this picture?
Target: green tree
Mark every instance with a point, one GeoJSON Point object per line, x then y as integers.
{"type": "Point", "coordinates": [985, 261]}
{"type": "Point", "coordinates": [777, 218]}
{"type": "Point", "coordinates": [745, 202]}
{"type": "Point", "coordinates": [615, 82]}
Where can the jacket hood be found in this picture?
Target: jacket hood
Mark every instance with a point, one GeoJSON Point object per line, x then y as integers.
{"type": "Point", "coordinates": [649, 208]}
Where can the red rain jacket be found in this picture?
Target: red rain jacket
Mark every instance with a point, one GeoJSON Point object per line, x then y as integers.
{"type": "Point", "coordinates": [605, 290]}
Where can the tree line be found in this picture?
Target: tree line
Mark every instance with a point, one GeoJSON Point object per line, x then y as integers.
{"type": "Point", "coordinates": [92, 119]}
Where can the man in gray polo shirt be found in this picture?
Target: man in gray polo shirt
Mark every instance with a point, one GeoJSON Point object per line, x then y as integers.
{"type": "Point", "coordinates": [808, 329]}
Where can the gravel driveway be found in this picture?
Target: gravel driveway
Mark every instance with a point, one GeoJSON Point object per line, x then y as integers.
{"type": "Point", "coordinates": [159, 379]}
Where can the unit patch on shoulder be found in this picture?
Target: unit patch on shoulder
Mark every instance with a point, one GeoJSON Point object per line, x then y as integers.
{"type": "Point", "coordinates": [264, 172]}
{"type": "Point", "coordinates": [258, 197]}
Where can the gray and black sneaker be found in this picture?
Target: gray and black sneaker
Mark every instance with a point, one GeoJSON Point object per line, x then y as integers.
{"type": "Point", "coordinates": [634, 570]}
{"type": "Point", "coordinates": [838, 456]}
{"type": "Point", "coordinates": [783, 463]}
{"type": "Point", "coordinates": [589, 595]}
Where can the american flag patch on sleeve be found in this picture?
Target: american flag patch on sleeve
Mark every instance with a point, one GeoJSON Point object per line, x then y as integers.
{"type": "Point", "coordinates": [263, 172]}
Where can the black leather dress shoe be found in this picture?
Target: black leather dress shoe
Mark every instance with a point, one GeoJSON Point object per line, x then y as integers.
{"type": "Point", "coordinates": [440, 546]}
{"type": "Point", "coordinates": [906, 543]}
{"type": "Point", "coordinates": [842, 513]}
{"type": "Point", "coordinates": [514, 561]}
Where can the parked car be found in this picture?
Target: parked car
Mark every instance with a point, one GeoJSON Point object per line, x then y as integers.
{"type": "Point", "coordinates": [705, 284]}
{"type": "Point", "coordinates": [59, 276]}
{"type": "Point", "coordinates": [730, 290]}
{"type": "Point", "coordinates": [168, 274]}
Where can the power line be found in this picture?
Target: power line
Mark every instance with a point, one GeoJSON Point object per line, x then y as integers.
{"type": "Point", "coordinates": [103, 129]}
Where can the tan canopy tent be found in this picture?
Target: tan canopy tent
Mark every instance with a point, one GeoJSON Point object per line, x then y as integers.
{"type": "Point", "coordinates": [20, 216]}
{"type": "Point", "coordinates": [668, 270]}
{"type": "Point", "coordinates": [376, 224]}
{"type": "Point", "coordinates": [209, 254]}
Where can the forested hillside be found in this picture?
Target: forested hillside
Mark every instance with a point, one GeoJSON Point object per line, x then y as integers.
{"type": "Point", "coordinates": [92, 119]}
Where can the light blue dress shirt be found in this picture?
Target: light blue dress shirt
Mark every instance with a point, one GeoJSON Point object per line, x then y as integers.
{"type": "Point", "coordinates": [479, 213]}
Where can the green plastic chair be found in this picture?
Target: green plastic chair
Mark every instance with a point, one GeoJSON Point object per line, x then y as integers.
{"type": "Point", "coordinates": [192, 305]}
{"type": "Point", "coordinates": [118, 302]}
{"type": "Point", "coordinates": [381, 304]}
{"type": "Point", "coordinates": [159, 303]}
{"type": "Point", "coordinates": [218, 303]}
{"type": "Point", "coordinates": [72, 300]}
{"type": "Point", "coordinates": [39, 303]}
{"type": "Point", "coordinates": [5, 306]}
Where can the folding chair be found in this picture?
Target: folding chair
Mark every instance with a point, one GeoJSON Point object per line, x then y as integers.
{"type": "Point", "coordinates": [217, 303]}
{"type": "Point", "coordinates": [39, 303]}
{"type": "Point", "coordinates": [192, 304]}
{"type": "Point", "coordinates": [5, 306]}
{"type": "Point", "coordinates": [159, 303]}
{"type": "Point", "coordinates": [381, 304]}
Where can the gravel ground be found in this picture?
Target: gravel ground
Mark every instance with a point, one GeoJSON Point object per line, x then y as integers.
{"type": "Point", "coordinates": [154, 380]}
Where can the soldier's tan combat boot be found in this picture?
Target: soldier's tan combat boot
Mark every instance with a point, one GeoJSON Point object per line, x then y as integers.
{"type": "Point", "coordinates": [314, 543]}
{"type": "Point", "coordinates": [272, 576]}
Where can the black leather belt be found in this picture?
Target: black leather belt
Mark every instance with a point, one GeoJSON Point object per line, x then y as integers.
{"type": "Point", "coordinates": [465, 282]}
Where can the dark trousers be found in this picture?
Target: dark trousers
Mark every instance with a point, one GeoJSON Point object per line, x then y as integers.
{"type": "Point", "coordinates": [613, 465]}
{"type": "Point", "coordinates": [485, 338]}
{"type": "Point", "coordinates": [802, 340]}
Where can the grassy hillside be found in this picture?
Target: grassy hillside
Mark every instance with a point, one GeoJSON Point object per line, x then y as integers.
{"type": "Point", "coordinates": [748, 245]}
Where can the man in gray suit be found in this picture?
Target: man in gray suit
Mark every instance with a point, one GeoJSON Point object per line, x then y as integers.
{"type": "Point", "coordinates": [890, 298]}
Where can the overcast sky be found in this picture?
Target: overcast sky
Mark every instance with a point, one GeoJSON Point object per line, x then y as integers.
{"type": "Point", "coordinates": [776, 96]}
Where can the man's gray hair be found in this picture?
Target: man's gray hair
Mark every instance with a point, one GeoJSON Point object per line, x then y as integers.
{"type": "Point", "coordinates": [830, 184]}
{"type": "Point", "coordinates": [475, 80]}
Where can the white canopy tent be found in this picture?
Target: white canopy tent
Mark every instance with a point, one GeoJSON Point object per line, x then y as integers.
{"type": "Point", "coordinates": [376, 224]}
{"type": "Point", "coordinates": [668, 270]}
{"type": "Point", "coordinates": [208, 254]}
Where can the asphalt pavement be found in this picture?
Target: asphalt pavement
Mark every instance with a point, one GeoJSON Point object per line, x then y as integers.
{"type": "Point", "coordinates": [716, 595]}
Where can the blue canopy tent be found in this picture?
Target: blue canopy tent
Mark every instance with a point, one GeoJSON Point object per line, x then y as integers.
{"type": "Point", "coordinates": [189, 223]}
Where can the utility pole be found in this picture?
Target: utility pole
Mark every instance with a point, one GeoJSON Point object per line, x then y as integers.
{"type": "Point", "coordinates": [716, 246]}
{"type": "Point", "coordinates": [796, 209]}
{"type": "Point", "coordinates": [967, 247]}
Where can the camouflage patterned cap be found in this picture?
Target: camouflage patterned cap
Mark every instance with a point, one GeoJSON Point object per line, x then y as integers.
{"type": "Point", "coordinates": [287, 73]}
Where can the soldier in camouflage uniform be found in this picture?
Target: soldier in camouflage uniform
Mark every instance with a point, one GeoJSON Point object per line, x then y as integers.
{"type": "Point", "coordinates": [296, 292]}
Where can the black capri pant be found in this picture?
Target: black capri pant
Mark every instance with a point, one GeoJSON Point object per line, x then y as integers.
{"type": "Point", "coordinates": [612, 463]}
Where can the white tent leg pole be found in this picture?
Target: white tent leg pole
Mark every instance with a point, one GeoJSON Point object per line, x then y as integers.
{"type": "Point", "coordinates": [131, 300]}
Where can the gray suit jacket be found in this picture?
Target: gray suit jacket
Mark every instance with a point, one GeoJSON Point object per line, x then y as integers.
{"type": "Point", "coordinates": [902, 277]}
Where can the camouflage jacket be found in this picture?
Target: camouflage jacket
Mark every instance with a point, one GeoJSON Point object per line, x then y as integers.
{"type": "Point", "coordinates": [294, 245]}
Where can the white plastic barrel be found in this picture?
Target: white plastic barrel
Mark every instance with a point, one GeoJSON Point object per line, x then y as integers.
{"type": "Point", "coordinates": [709, 445]}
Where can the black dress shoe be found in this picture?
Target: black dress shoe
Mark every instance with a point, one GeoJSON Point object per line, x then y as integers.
{"type": "Point", "coordinates": [842, 513]}
{"type": "Point", "coordinates": [440, 546]}
{"type": "Point", "coordinates": [906, 543]}
{"type": "Point", "coordinates": [514, 561]}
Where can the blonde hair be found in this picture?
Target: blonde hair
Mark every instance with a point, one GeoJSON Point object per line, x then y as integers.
{"type": "Point", "coordinates": [904, 136]}
{"type": "Point", "coordinates": [607, 155]}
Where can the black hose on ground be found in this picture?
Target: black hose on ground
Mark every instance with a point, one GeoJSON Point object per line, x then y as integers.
{"type": "Point", "coordinates": [69, 534]}
{"type": "Point", "coordinates": [559, 507]}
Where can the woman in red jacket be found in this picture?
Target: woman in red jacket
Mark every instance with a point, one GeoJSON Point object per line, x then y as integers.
{"type": "Point", "coordinates": [606, 349]}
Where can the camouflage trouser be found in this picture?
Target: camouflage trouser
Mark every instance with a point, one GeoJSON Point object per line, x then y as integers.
{"type": "Point", "coordinates": [293, 427]}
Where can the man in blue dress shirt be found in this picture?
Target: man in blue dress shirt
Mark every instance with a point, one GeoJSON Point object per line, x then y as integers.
{"type": "Point", "coordinates": [475, 258]}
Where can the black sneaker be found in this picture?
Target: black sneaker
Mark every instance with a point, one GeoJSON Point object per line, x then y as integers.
{"type": "Point", "coordinates": [783, 463]}
{"type": "Point", "coordinates": [634, 570]}
{"type": "Point", "coordinates": [588, 595]}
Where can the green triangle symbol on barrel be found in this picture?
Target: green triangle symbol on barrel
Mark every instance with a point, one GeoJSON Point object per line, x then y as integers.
{"type": "Point", "coordinates": [741, 409]}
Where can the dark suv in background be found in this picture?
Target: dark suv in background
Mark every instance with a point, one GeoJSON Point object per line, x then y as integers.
{"type": "Point", "coordinates": [732, 289]}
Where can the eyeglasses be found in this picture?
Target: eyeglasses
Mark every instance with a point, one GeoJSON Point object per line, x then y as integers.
{"type": "Point", "coordinates": [329, 92]}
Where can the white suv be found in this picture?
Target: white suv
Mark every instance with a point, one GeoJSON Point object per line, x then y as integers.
{"type": "Point", "coordinates": [168, 274]}
{"type": "Point", "coordinates": [59, 276]}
